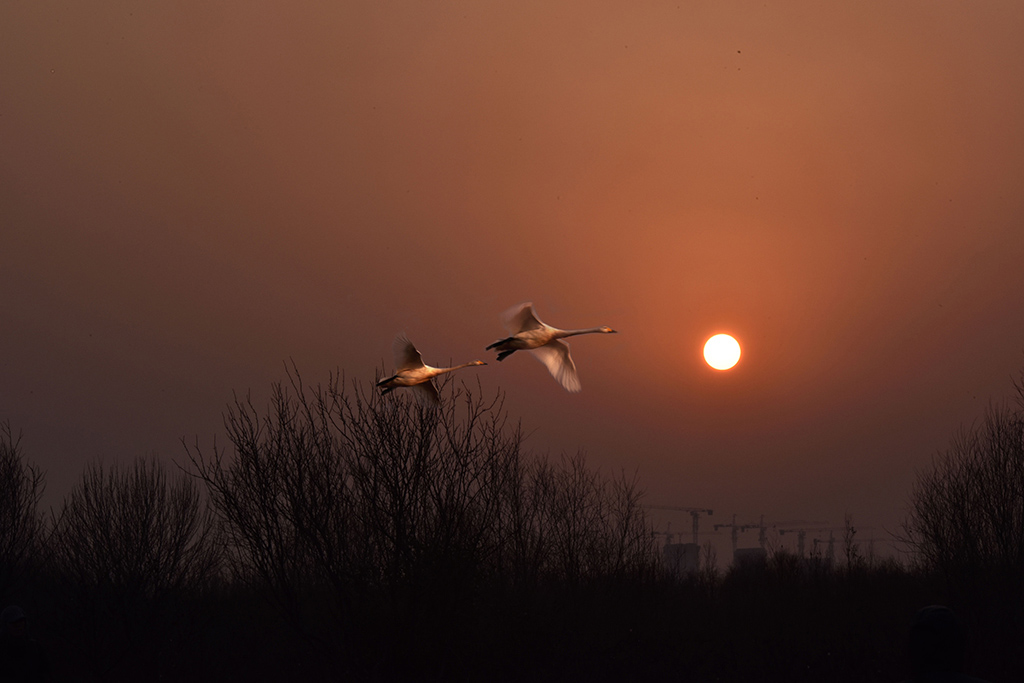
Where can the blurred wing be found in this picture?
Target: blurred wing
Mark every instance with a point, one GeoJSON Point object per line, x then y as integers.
{"type": "Point", "coordinates": [406, 355]}
{"type": "Point", "coordinates": [555, 355]}
{"type": "Point", "coordinates": [521, 318]}
{"type": "Point", "coordinates": [426, 394]}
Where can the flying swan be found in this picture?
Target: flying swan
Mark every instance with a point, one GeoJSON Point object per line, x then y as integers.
{"type": "Point", "coordinates": [545, 342]}
{"type": "Point", "coordinates": [412, 372]}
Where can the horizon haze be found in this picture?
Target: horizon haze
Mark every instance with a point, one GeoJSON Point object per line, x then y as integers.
{"type": "Point", "coordinates": [193, 195]}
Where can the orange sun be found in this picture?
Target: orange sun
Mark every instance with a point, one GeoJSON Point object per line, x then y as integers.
{"type": "Point", "coordinates": [722, 351]}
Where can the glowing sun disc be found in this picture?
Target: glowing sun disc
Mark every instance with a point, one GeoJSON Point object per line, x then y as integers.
{"type": "Point", "coordinates": [722, 352]}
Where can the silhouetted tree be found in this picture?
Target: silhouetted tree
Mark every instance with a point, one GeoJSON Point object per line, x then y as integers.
{"type": "Point", "coordinates": [337, 496]}
{"type": "Point", "coordinates": [967, 511]}
{"type": "Point", "coordinates": [967, 521]}
{"type": "Point", "coordinates": [21, 486]}
{"type": "Point", "coordinates": [595, 526]}
{"type": "Point", "coordinates": [130, 548]}
{"type": "Point", "coordinates": [854, 558]}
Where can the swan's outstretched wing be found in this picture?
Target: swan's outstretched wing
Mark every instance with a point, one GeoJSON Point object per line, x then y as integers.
{"type": "Point", "coordinates": [426, 394]}
{"type": "Point", "coordinates": [406, 355]}
{"type": "Point", "coordinates": [521, 318]}
{"type": "Point", "coordinates": [555, 355]}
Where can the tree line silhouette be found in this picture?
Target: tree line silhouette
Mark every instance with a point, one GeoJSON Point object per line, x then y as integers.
{"type": "Point", "coordinates": [342, 535]}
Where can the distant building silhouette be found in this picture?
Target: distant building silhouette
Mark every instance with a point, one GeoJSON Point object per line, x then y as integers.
{"type": "Point", "coordinates": [682, 558]}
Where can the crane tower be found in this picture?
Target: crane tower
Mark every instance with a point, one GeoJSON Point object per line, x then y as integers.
{"type": "Point", "coordinates": [695, 513]}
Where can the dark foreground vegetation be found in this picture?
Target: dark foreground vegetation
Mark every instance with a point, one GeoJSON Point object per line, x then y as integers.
{"type": "Point", "coordinates": [344, 537]}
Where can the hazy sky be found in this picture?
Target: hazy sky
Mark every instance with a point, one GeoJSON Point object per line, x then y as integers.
{"type": "Point", "coordinates": [192, 193]}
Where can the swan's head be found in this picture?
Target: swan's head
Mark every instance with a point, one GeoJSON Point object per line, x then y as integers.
{"type": "Point", "coordinates": [478, 362]}
{"type": "Point", "coordinates": [607, 330]}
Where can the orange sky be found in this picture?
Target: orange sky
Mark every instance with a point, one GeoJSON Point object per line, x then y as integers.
{"type": "Point", "coordinates": [192, 193]}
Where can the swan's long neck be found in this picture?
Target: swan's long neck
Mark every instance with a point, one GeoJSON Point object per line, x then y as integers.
{"type": "Point", "coordinates": [573, 333]}
{"type": "Point", "coordinates": [457, 367]}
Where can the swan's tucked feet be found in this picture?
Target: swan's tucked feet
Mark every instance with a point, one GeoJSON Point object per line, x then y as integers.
{"type": "Point", "coordinates": [499, 343]}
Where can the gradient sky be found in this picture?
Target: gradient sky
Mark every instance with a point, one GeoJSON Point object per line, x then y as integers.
{"type": "Point", "coordinates": [192, 193]}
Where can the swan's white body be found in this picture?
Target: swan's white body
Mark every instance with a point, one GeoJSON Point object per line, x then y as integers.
{"type": "Point", "coordinates": [412, 372]}
{"type": "Point", "coordinates": [543, 341]}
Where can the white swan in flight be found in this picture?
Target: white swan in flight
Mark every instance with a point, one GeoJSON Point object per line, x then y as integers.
{"type": "Point", "coordinates": [545, 342]}
{"type": "Point", "coordinates": [412, 372]}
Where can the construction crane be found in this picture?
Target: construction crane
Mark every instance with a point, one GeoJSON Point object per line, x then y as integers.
{"type": "Point", "coordinates": [801, 527]}
{"type": "Point", "coordinates": [695, 513]}
{"type": "Point", "coordinates": [801, 536]}
{"type": "Point", "coordinates": [890, 542]}
{"type": "Point", "coordinates": [831, 548]}
{"type": "Point", "coordinates": [667, 533]}
{"type": "Point", "coordinates": [762, 532]}
{"type": "Point", "coordinates": [830, 552]}
{"type": "Point", "coordinates": [736, 529]}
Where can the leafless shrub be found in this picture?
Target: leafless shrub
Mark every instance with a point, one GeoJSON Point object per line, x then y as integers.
{"type": "Point", "coordinates": [21, 486]}
{"type": "Point", "coordinates": [708, 561]}
{"type": "Point", "coordinates": [854, 558]}
{"type": "Point", "coordinates": [350, 491]}
{"type": "Point", "coordinates": [585, 524]}
{"type": "Point", "coordinates": [131, 528]}
{"type": "Point", "coordinates": [339, 489]}
{"type": "Point", "coordinates": [130, 553]}
{"type": "Point", "coordinates": [967, 511]}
